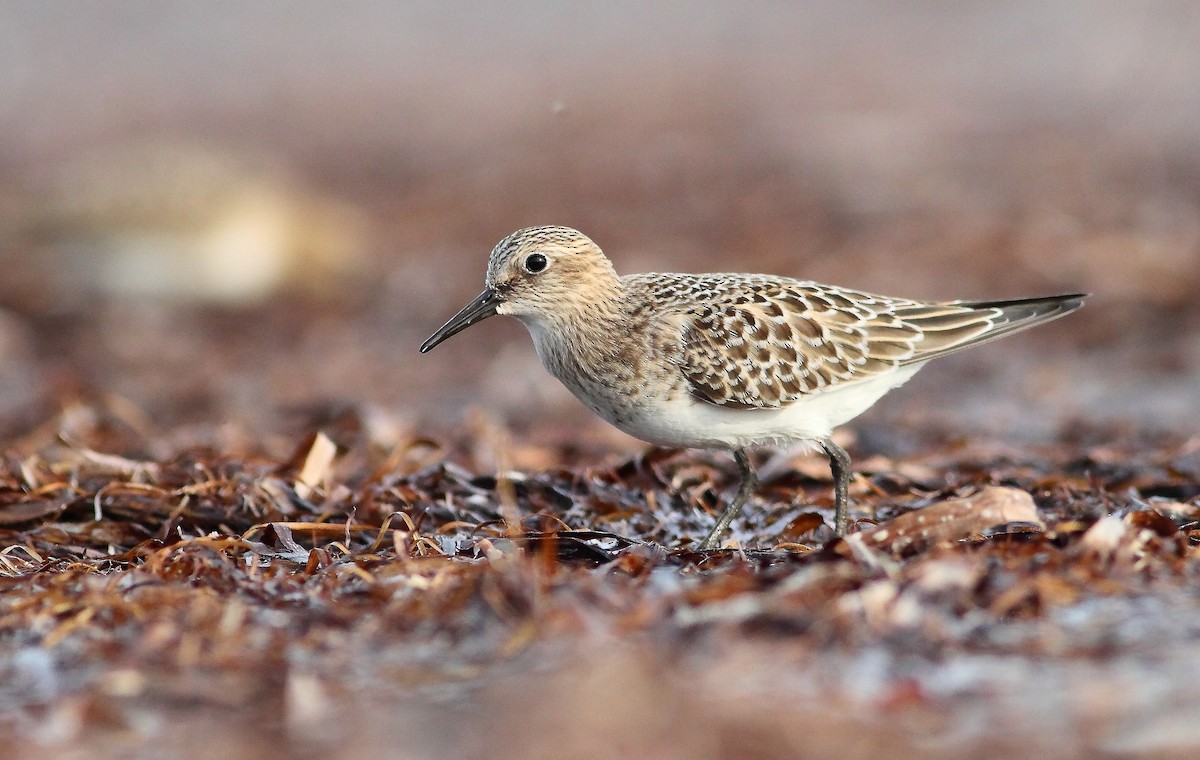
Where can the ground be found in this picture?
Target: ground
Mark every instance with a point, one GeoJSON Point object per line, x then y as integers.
{"type": "Point", "coordinates": [353, 598]}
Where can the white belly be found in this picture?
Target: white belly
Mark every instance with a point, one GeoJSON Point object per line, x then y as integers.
{"type": "Point", "coordinates": [676, 419]}
{"type": "Point", "coordinates": [695, 424]}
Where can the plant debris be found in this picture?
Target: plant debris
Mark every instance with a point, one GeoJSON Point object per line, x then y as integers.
{"type": "Point", "coordinates": [292, 588]}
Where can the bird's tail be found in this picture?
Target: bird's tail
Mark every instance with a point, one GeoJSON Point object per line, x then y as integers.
{"type": "Point", "coordinates": [956, 325]}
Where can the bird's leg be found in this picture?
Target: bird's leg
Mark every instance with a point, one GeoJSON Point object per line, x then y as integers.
{"type": "Point", "coordinates": [839, 465]}
{"type": "Point", "coordinates": [744, 492]}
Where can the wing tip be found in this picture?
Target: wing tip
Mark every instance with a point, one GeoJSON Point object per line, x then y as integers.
{"type": "Point", "coordinates": [1017, 315]}
{"type": "Point", "coordinates": [1065, 302]}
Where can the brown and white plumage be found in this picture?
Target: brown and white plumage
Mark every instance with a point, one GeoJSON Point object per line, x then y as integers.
{"type": "Point", "coordinates": [724, 360]}
{"type": "Point", "coordinates": [756, 341]}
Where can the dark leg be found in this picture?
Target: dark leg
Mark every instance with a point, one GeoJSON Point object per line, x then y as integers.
{"type": "Point", "coordinates": [744, 492]}
{"type": "Point", "coordinates": [839, 465]}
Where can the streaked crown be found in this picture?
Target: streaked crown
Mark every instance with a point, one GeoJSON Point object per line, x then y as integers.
{"type": "Point", "coordinates": [540, 270]}
{"type": "Point", "coordinates": [549, 239]}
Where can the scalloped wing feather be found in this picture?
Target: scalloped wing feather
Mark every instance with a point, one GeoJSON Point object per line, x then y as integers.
{"type": "Point", "coordinates": [762, 342]}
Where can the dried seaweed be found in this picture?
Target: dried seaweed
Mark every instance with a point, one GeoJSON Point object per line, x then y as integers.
{"type": "Point", "coordinates": [206, 576]}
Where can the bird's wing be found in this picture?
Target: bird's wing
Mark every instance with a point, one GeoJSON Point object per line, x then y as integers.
{"type": "Point", "coordinates": [765, 343]}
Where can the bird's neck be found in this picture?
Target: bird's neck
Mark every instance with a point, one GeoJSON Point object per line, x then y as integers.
{"type": "Point", "coordinates": [583, 337]}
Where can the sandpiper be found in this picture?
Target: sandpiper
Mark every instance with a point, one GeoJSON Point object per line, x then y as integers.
{"type": "Point", "coordinates": [725, 361]}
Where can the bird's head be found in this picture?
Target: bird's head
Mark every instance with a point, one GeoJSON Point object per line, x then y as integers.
{"type": "Point", "coordinates": [541, 275]}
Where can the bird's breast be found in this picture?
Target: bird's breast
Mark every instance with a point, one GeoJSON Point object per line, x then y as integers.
{"type": "Point", "coordinates": [625, 381]}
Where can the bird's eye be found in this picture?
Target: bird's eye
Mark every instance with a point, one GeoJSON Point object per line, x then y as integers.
{"type": "Point", "coordinates": [535, 262]}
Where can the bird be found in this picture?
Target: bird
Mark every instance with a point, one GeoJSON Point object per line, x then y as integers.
{"type": "Point", "coordinates": [725, 361]}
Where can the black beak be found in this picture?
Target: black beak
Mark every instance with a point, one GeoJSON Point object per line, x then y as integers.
{"type": "Point", "coordinates": [478, 310]}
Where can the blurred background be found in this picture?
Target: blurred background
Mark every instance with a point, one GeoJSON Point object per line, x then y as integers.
{"type": "Point", "coordinates": [254, 212]}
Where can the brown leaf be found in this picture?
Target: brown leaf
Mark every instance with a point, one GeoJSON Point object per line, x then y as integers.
{"type": "Point", "coordinates": [24, 511]}
{"type": "Point", "coordinates": [318, 465]}
{"type": "Point", "coordinates": [802, 524]}
{"type": "Point", "coordinates": [1145, 519]}
{"type": "Point", "coordinates": [953, 520]}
